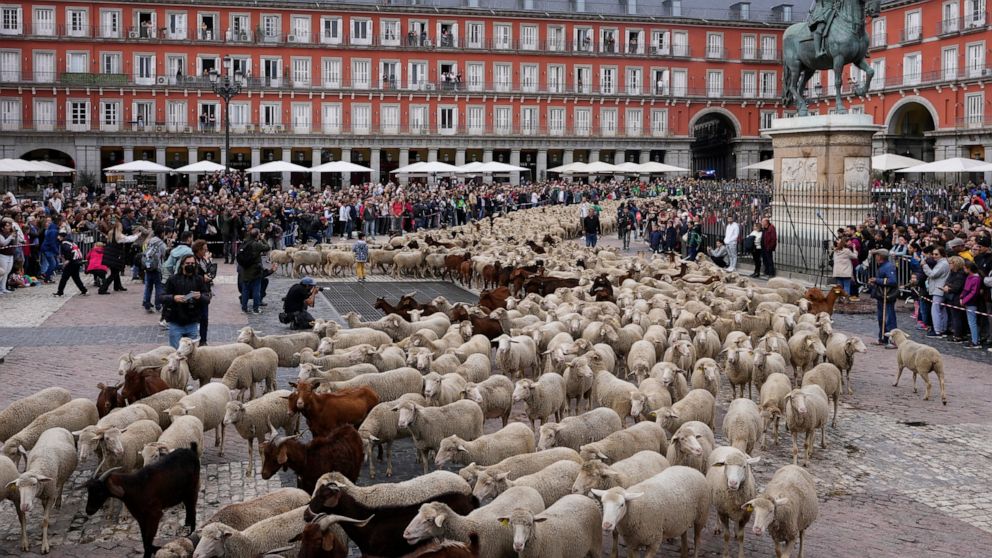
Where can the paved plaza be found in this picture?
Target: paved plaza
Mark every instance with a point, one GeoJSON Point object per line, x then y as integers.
{"type": "Point", "coordinates": [901, 477]}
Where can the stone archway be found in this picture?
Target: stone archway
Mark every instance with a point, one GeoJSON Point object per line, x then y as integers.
{"type": "Point", "coordinates": [714, 132]}
{"type": "Point", "coordinates": [907, 128]}
{"type": "Point", "coordinates": [50, 155]}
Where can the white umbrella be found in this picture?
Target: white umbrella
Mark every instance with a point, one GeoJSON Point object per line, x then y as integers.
{"type": "Point", "coordinates": [54, 168]}
{"type": "Point", "coordinates": [653, 167]}
{"type": "Point", "coordinates": [202, 166]}
{"type": "Point", "coordinates": [630, 167]}
{"type": "Point", "coordinates": [891, 161]}
{"type": "Point", "coordinates": [340, 167]}
{"type": "Point", "coordinates": [471, 168]}
{"type": "Point", "coordinates": [427, 167]}
{"type": "Point", "coordinates": [767, 164]}
{"type": "Point", "coordinates": [496, 167]}
{"type": "Point", "coordinates": [987, 167]}
{"type": "Point", "coordinates": [20, 167]}
{"type": "Point", "coordinates": [570, 168]}
{"type": "Point", "coordinates": [277, 166]}
{"type": "Point", "coordinates": [599, 167]}
{"type": "Point", "coordinates": [954, 164]}
{"type": "Point", "coordinates": [139, 166]}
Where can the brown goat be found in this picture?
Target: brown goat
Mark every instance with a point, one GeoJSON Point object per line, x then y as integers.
{"type": "Point", "coordinates": [326, 411]}
{"type": "Point", "coordinates": [340, 450]}
{"type": "Point", "coordinates": [139, 384]}
{"type": "Point", "coordinates": [108, 399]}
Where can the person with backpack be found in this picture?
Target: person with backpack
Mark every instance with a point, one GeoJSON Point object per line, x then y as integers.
{"type": "Point", "coordinates": [151, 259]}
{"type": "Point", "coordinates": [694, 241]}
{"type": "Point", "coordinates": [73, 263]}
{"type": "Point", "coordinates": [249, 258]}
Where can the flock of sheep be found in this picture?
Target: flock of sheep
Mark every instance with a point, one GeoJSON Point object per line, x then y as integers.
{"type": "Point", "coordinates": [620, 393]}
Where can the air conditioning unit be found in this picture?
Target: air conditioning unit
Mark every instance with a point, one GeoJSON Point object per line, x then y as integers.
{"type": "Point", "coordinates": [161, 80]}
{"type": "Point", "coordinates": [250, 128]}
{"type": "Point", "coordinates": [279, 128]}
{"type": "Point", "coordinates": [132, 34]}
{"type": "Point", "coordinates": [986, 72]}
{"type": "Point", "coordinates": [187, 130]}
{"type": "Point", "coordinates": [159, 128]}
{"type": "Point", "coordinates": [291, 38]}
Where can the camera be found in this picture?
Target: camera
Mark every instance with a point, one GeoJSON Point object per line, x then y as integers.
{"type": "Point", "coordinates": [825, 244]}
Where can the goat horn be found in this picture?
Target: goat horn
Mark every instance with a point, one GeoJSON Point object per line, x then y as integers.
{"type": "Point", "coordinates": [106, 473]}
{"type": "Point", "coordinates": [328, 520]}
{"type": "Point", "coordinates": [272, 429]}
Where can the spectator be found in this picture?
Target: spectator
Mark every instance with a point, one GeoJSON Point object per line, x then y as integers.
{"type": "Point", "coordinates": [937, 269]}
{"type": "Point", "coordinates": [177, 253]}
{"type": "Point", "coordinates": [114, 254]}
{"type": "Point", "coordinates": [361, 250]}
{"type": "Point", "coordinates": [300, 297]}
{"type": "Point", "coordinates": [843, 265]}
{"type": "Point", "coordinates": [50, 250]}
{"type": "Point", "coordinates": [95, 267]}
{"type": "Point", "coordinates": [885, 285]}
{"type": "Point", "coordinates": [730, 237]}
{"type": "Point", "coordinates": [8, 241]}
{"type": "Point", "coordinates": [952, 298]}
{"type": "Point", "coordinates": [718, 254]}
{"type": "Point", "coordinates": [73, 258]}
{"type": "Point", "coordinates": [250, 260]}
{"type": "Point", "coordinates": [185, 293]}
{"type": "Point", "coordinates": [754, 248]}
{"type": "Point", "coordinates": [694, 240]}
{"type": "Point", "coordinates": [207, 269]}
{"type": "Point", "coordinates": [769, 242]}
{"type": "Point", "coordinates": [151, 261]}
{"type": "Point", "coordinates": [969, 299]}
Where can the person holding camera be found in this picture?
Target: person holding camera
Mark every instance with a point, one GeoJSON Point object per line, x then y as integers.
{"type": "Point", "coordinates": [300, 297]}
{"type": "Point", "coordinates": [843, 266]}
{"type": "Point", "coordinates": [207, 269]}
{"type": "Point", "coordinates": [185, 294]}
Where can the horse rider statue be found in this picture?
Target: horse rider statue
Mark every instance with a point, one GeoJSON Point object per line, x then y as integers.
{"type": "Point", "coordinates": [819, 20]}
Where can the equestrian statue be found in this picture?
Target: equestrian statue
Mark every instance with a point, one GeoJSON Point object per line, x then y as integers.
{"type": "Point", "coordinates": [833, 36]}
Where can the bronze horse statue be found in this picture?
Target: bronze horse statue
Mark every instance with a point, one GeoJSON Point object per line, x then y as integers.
{"type": "Point", "coordinates": [846, 42]}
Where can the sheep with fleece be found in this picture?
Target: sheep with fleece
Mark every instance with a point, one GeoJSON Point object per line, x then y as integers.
{"type": "Point", "coordinates": [742, 425]}
{"type": "Point", "coordinates": [441, 390]}
{"type": "Point", "coordinates": [625, 473]}
{"type": "Point", "coordinates": [921, 360]}
{"type": "Point", "coordinates": [430, 425]}
{"type": "Point", "coordinates": [258, 417]}
{"type": "Point", "coordinates": [682, 354]}
{"type": "Point", "coordinates": [672, 378]}
{"type": "Point", "coordinates": [578, 384]}
{"type": "Point", "coordinates": [614, 393]}
{"type": "Point", "coordinates": [286, 346]}
{"type": "Point", "coordinates": [553, 482]}
{"type": "Point", "coordinates": [489, 449]}
{"type": "Point", "coordinates": [121, 447]}
{"type": "Point", "coordinates": [340, 374]}
{"type": "Point", "coordinates": [389, 386]}
{"type": "Point", "coordinates": [380, 427]}
{"type": "Point", "coordinates": [766, 364]}
{"type": "Point", "coordinates": [706, 341]}
{"type": "Point", "coordinates": [476, 345]}
{"type": "Point", "coordinates": [651, 395]}
{"type": "Point", "coordinates": [209, 362]}
{"type": "Point", "coordinates": [840, 352]}
{"type": "Point", "coordinates": [49, 465]}
{"type": "Point", "coordinates": [514, 467]}
{"type": "Point", "coordinates": [640, 359]}
{"type": "Point", "coordinates": [260, 365]}
{"type": "Point", "coordinates": [514, 354]}
{"type": "Point", "coordinates": [805, 349]}
{"type": "Point", "coordinates": [151, 359]}
{"type": "Point", "coordinates": [828, 377]}
{"type": "Point", "coordinates": [706, 375]}
{"type": "Point", "coordinates": [476, 368]}
{"type": "Point", "coordinates": [577, 431]}
{"type": "Point", "coordinates": [625, 443]}
{"type": "Point", "coordinates": [568, 529]}
{"type": "Point", "coordinates": [770, 402]}
{"type": "Point", "coordinates": [494, 396]}
{"type": "Point", "coordinates": [208, 404]}
{"type": "Point", "coordinates": [75, 415]}
{"type": "Point", "coordinates": [218, 539]}
{"type": "Point", "coordinates": [732, 486]}
{"type": "Point", "coordinates": [183, 431]}
{"type": "Point", "coordinates": [21, 412]}
{"type": "Point", "coordinates": [88, 439]}
{"type": "Point", "coordinates": [161, 402]}
{"type": "Point", "coordinates": [806, 410]}
{"type": "Point", "coordinates": [543, 398]}
{"type": "Point", "coordinates": [698, 404]}
{"type": "Point", "coordinates": [786, 508]}
{"type": "Point", "coordinates": [691, 445]}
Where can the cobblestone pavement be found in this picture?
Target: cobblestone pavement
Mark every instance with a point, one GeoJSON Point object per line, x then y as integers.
{"type": "Point", "coordinates": [901, 477]}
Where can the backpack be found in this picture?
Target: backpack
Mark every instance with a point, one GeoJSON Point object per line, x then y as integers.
{"type": "Point", "coordinates": [151, 259]}
{"type": "Point", "coordinates": [748, 243]}
{"type": "Point", "coordinates": [245, 257]}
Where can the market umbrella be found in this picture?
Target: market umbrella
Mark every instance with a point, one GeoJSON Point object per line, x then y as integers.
{"type": "Point", "coordinates": [148, 167]}
{"type": "Point", "coordinates": [497, 167]}
{"type": "Point", "coordinates": [570, 168]}
{"type": "Point", "coordinates": [427, 167]}
{"type": "Point", "coordinates": [891, 161]}
{"type": "Point", "coordinates": [653, 167]}
{"type": "Point", "coordinates": [340, 167]}
{"type": "Point", "coordinates": [767, 164]}
{"type": "Point", "coordinates": [277, 166]}
{"type": "Point", "coordinates": [54, 168]}
{"type": "Point", "coordinates": [20, 167]}
{"type": "Point", "coordinates": [954, 164]}
{"type": "Point", "coordinates": [202, 166]}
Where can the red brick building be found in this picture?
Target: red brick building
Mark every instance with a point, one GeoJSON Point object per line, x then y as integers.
{"type": "Point", "coordinates": [92, 84]}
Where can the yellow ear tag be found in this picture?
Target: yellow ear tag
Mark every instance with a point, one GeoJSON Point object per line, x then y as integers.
{"type": "Point", "coordinates": [504, 521]}
{"type": "Point", "coordinates": [750, 508]}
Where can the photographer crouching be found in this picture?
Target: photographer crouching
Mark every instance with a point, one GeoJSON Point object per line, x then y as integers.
{"type": "Point", "coordinates": [300, 297]}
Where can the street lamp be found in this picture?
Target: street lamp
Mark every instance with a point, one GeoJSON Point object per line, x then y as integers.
{"type": "Point", "coordinates": [226, 88]}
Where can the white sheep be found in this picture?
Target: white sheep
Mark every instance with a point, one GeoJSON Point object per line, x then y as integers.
{"type": "Point", "coordinates": [514, 354]}
{"type": "Point", "coordinates": [698, 404]}
{"type": "Point", "coordinates": [380, 428]}
{"type": "Point", "coordinates": [706, 375]}
{"type": "Point", "coordinates": [625, 443]}
{"type": "Point", "coordinates": [344, 358]}
{"type": "Point", "coordinates": [209, 403]}
{"type": "Point", "coordinates": [773, 342]}
{"type": "Point", "coordinates": [514, 467]}
{"type": "Point", "coordinates": [828, 377]}
{"type": "Point", "coordinates": [75, 415]}
{"type": "Point", "coordinates": [389, 386]}
{"type": "Point", "coordinates": [152, 359]}
{"type": "Point", "coordinates": [625, 473]}
{"type": "Point", "coordinates": [340, 374]}
{"type": "Point", "coordinates": [672, 378]}
{"type": "Point", "coordinates": [386, 357]}
{"type": "Point", "coordinates": [786, 508]}
{"type": "Point", "coordinates": [543, 398]}
{"type": "Point", "coordinates": [49, 465]}
{"type": "Point", "coordinates": [89, 438]}
{"type": "Point", "coordinates": [180, 434]}
{"type": "Point", "coordinates": [766, 364]}
{"type": "Point", "coordinates": [806, 348]}
{"type": "Point", "coordinates": [8, 475]}
{"type": "Point", "coordinates": [641, 358]}
{"type": "Point", "coordinates": [568, 529]}
{"type": "Point", "coordinates": [739, 369]}
{"type": "Point", "coordinates": [21, 412]}
{"type": "Point", "coordinates": [742, 425]}
{"type": "Point", "coordinates": [921, 360]}
{"type": "Point", "coordinates": [494, 395]}
{"type": "Point", "coordinates": [840, 352]}
{"type": "Point", "coordinates": [440, 390]}
{"type": "Point", "coordinates": [438, 521]}
{"type": "Point", "coordinates": [806, 410]}
{"type": "Point", "coordinates": [161, 402]}
{"type": "Point", "coordinates": [651, 395]}
{"type": "Point", "coordinates": [732, 486]}
{"type": "Point", "coordinates": [268, 534]}
{"type": "Point", "coordinates": [241, 515]}
{"type": "Point", "coordinates": [662, 507]}
{"type": "Point", "coordinates": [553, 482]}
{"type": "Point", "coordinates": [246, 370]}
{"type": "Point", "coordinates": [771, 406]}
{"type": "Point", "coordinates": [349, 338]}
{"type": "Point", "coordinates": [575, 432]}
{"type": "Point", "coordinates": [706, 341]}
{"type": "Point", "coordinates": [682, 354]}
{"type": "Point", "coordinates": [610, 391]}
{"type": "Point", "coordinates": [430, 425]}
{"type": "Point", "coordinates": [255, 419]}
{"type": "Point", "coordinates": [578, 384]}
{"type": "Point", "coordinates": [691, 445]}
{"type": "Point", "coordinates": [513, 439]}
{"type": "Point", "coordinates": [121, 447]}
{"type": "Point", "coordinates": [476, 345]}
{"type": "Point", "coordinates": [175, 371]}
{"type": "Point", "coordinates": [475, 368]}
{"type": "Point", "coordinates": [205, 363]}
{"type": "Point", "coordinates": [286, 346]}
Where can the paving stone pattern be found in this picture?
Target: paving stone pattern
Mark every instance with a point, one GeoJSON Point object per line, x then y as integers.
{"type": "Point", "coordinates": [901, 477]}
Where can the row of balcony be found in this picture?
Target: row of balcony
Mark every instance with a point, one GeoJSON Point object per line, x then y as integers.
{"type": "Point", "coordinates": [213, 128]}
{"type": "Point", "coordinates": [388, 86]}
{"type": "Point", "coordinates": [411, 41]}
{"type": "Point", "coordinates": [967, 24]}
{"type": "Point", "coordinates": [917, 79]}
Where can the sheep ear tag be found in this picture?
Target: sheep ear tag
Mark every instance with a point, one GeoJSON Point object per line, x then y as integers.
{"type": "Point", "coordinates": [504, 521]}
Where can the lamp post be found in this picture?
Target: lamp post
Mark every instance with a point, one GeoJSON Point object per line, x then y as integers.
{"type": "Point", "coordinates": [226, 88]}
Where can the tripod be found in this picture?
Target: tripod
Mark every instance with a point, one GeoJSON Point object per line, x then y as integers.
{"type": "Point", "coordinates": [827, 255]}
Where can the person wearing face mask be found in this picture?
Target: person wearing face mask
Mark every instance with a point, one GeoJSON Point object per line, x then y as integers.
{"type": "Point", "coordinates": [183, 299]}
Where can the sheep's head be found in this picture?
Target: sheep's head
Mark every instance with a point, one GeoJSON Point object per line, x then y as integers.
{"type": "Point", "coordinates": [152, 451]}
{"type": "Point", "coordinates": [594, 474]}
{"type": "Point", "coordinates": [407, 413]}
{"type": "Point", "coordinates": [428, 523]}
{"type": "Point", "coordinates": [736, 468]}
{"type": "Point", "coordinates": [248, 335]}
{"type": "Point", "coordinates": [326, 346]}
{"type": "Point", "coordinates": [637, 400]}
{"type": "Point", "coordinates": [186, 347]}
{"type": "Point", "coordinates": [614, 505]}
{"type": "Point", "coordinates": [87, 440]}
{"type": "Point", "coordinates": [854, 345]}
{"type": "Point", "coordinates": [487, 483]}
{"type": "Point", "coordinates": [797, 400]}
{"type": "Point", "coordinates": [180, 409]}
{"type": "Point", "coordinates": [522, 523]}
{"type": "Point", "coordinates": [28, 485]}
{"type": "Point", "coordinates": [449, 448]}
{"type": "Point", "coordinates": [763, 509]}
{"type": "Point", "coordinates": [522, 391]}
{"type": "Point", "coordinates": [432, 384]}
{"type": "Point", "coordinates": [234, 412]}
{"type": "Point", "coordinates": [897, 336]}
{"type": "Point", "coordinates": [549, 436]}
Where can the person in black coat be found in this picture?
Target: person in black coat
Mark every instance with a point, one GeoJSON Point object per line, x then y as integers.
{"type": "Point", "coordinates": [183, 299]}
{"type": "Point", "coordinates": [73, 262]}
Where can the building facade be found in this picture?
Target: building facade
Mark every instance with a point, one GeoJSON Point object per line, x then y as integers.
{"type": "Point", "coordinates": [92, 84]}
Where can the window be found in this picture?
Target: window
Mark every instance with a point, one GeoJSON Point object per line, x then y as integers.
{"type": "Point", "coordinates": [662, 82]}
{"type": "Point", "coordinates": [418, 119]}
{"type": "Point", "coordinates": [447, 118]}
{"type": "Point", "coordinates": [110, 24]}
{"type": "Point", "coordinates": [175, 115]}
{"type": "Point", "coordinates": [714, 45]}
{"type": "Point", "coordinates": [208, 27]}
{"type": "Point", "coordinates": [768, 47]}
{"type": "Point", "coordinates": [110, 116]}
{"type": "Point", "coordinates": [142, 114]}
{"type": "Point", "coordinates": [556, 38]}
{"type": "Point", "coordinates": [389, 116]}
{"type": "Point", "coordinates": [634, 43]}
{"type": "Point", "coordinates": [529, 121]}
{"type": "Point", "coordinates": [912, 31]}
{"type": "Point", "coordinates": [330, 118]}
{"type": "Point", "coordinates": [974, 13]}
{"type": "Point", "coordinates": [503, 120]}
{"type": "Point", "coordinates": [632, 80]}
{"type": "Point", "coordinates": [302, 118]}
{"type": "Point", "coordinates": [44, 67]}
{"type": "Point", "coordinates": [270, 115]}
{"type": "Point", "coordinates": [503, 36]}
{"type": "Point", "coordinates": [831, 84]}
{"type": "Point", "coordinates": [911, 69]}
{"type": "Point", "coordinates": [661, 42]}
{"type": "Point", "coordinates": [361, 74]}
{"type": "Point", "coordinates": [447, 34]}
{"type": "Point", "coordinates": [714, 83]}
{"type": "Point", "coordinates": [361, 31]}
{"type": "Point", "coordinates": [240, 115]}
{"type": "Point", "coordinates": [361, 119]}
{"type": "Point", "coordinates": [417, 36]}
{"type": "Point", "coordinates": [974, 112]}
{"type": "Point", "coordinates": [301, 72]}
{"type": "Point", "coordinates": [749, 87]}
{"type": "Point", "coordinates": [976, 59]}
{"type": "Point", "coordinates": [391, 73]}
{"type": "Point", "coordinates": [659, 123]}
{"type": "Point", "coordinates": [10, 115]}
{"type": "Point", "coordinates": [77, 62]}
{"type": "Point", "coordinates": [680, 80]}
{"type": "Point", "coordinates": [503, 77]}
{"type": "Point", "coordinates": [330, 30]}
{"type": "Point", "coordinates": [176, 26]}
{"type": "Point", "coordinates": [79, 115]}
{"type": "Point", "coordinates": [240, 65]}
{"type": "Point", "coordinates": [680, 43]}
{"type": "Point", "coordinates": [608, 40]}
{"type": "Point", "coordinates": [476, 35]}
{"type": "Point", "coordinates": [44, 22]}
{"type": "Point", "coordinates": [332, 73]}
{"type": "Point", "coordinates": [583, 40]}
{"type": "Point", "coordinates": [556, 79]}
{"type": "Point", "coordinates": [240, 28]}
{"type": "Point", "coordinates": [633, 121]}
{"type": "Point", "coordinates": [390, 33]}
{"type": "Point", "coordinates": [878, 80]}
{"type": "Point", "coordinates": [10, 66]}
{"type": "Point", "coordinates": [528, 78]}
{"type": "Point", "coordinates": [766, 119]}
{"type": "Point", "coordinates": [583, 79]}
{"type": "Point", "coordinates": [272, 72]}
{"type": "Point", "coordinates": [417, 74]}
{"type": "Point", "coordinates": [583, 121]}
{"type": "Point", "coordinates": [768, 81]}
{"type": "Point", "coordinates": [949, 63]}
{"type": "Point", "coordinates": [749, 47]}
{"type": "Point", "coordinates": [77, 22]}
{"type": "Point", "coordinates": [528, 37]}
{"type": "Point", "coordinates": [44, 115]}
{"type": "Point", "coordinates": [144, 69]}
{"type": "Point", "coordinates": [476, 76]}
{"type": "Point", "coordinates": [556, 121]}
{"type": "Point", "coordinates": [271, 28]}
{"type": "Point", "coordinates": [949, 17]}
{"type": "Point", "coordinates": [299, 29]}
{"type": "Point", "coordinates": [608, 80]}
{"type": "Point", "coordinates": [608, 122]}
{"type": "Point", "coordinates": [110, 63]}
{"type": "Point", "coordinates": [476, 120]}
{"type": "Point", "coordinates": [10, 20]}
